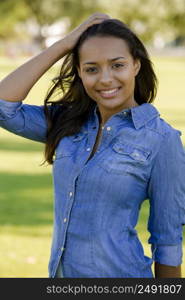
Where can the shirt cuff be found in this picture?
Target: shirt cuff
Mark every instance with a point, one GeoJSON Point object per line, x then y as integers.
{"type": "Point", "coordinates": [170, 255]}
{"type": "Point", "coordinates": [8, 109]}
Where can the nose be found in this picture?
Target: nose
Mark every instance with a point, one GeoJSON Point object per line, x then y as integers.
{"type": "Point", "coordinates": [105, 77]}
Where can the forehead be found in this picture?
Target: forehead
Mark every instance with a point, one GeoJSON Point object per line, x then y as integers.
{"type": "Point", "coordinates": [97, 48]}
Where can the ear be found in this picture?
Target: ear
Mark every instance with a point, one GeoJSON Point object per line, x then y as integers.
{"type": "Point", "coordinates": [137, 66]}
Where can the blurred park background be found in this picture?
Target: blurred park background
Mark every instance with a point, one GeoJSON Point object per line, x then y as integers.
{"type": "Point", "coordinates": [26, 193]}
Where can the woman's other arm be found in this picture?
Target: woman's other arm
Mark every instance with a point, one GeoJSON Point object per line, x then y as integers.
{"type": "Point", "coordinates": [166, 192]}
{"type": "Point", "coordinates": [164, 271]}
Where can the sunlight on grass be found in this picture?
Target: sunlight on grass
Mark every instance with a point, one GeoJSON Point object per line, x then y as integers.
{"type": "Point", "coordinates": [24, 256]}
{"type": "Point", "coordinates": [23, 163]}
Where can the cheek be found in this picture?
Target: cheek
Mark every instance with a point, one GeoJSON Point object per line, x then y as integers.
{"type": "Point", "coordinates": [88, 83]}
{"type": "Point", "coordinates": [128, 78]}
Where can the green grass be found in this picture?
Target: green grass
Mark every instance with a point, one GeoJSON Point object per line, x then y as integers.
{"type": "Point", "coordinates": [26, 193]}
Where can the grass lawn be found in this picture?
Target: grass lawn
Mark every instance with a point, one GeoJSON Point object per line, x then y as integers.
{"type": "Point", "coordinates": [26, 194]}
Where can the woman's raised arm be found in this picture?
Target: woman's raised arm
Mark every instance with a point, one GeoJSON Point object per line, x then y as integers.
{"type": "Point", "coordinates": [17, 84]}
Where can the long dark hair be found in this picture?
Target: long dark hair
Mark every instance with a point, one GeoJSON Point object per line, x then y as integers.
{"type": "Point", "coordinates": [66, 115]}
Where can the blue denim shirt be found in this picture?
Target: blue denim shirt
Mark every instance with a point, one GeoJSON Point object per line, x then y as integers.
{"type": "Point", "coordinates": [97, 201]}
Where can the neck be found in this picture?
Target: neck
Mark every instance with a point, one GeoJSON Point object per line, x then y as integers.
{"type": "Point", "coordinates": [105, 115]}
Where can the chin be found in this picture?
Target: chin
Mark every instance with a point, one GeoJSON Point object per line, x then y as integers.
{"type": "Point", "coordinates": [111, 103]}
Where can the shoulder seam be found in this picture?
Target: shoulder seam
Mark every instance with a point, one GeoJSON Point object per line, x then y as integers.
{"type": "Point", "coordinates": [160, 133]}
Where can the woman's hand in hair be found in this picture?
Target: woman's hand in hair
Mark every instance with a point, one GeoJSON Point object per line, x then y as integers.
{"type": "Point", "coordinates": [72, 38]}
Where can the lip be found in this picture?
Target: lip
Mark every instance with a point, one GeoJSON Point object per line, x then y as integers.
{"type": "Point", "coordinates": [109, 93]}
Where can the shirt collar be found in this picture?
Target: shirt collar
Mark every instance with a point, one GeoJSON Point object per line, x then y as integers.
{"type": "Point", "coordinates": [140, 114]}
{"type": "Point", "coordinates": [143, 113]}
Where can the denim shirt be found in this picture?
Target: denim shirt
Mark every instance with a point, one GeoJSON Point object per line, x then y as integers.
{"type": "Point", "coordinates": [97, 201]}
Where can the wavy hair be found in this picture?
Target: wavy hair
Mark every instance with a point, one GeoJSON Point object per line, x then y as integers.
{"type": "Point", "coordinates": [67, 115]}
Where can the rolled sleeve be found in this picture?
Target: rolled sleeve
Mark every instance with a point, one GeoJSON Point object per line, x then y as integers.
{"type": "Point", "coordinates": [25, 120]}
{"type": "Point", "coordinates": [166, 193]}
{"type": "Point", "coordinates": [167, 255]}
{"type": "Point", "coordinates": [8, 109]}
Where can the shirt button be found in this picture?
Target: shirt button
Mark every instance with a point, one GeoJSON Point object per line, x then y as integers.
{"type": "Point", "coordinates": [108, 128]}
{"type": "Point", "coordinates": [65, 220]}
{"type": "Point", "coordinates": [88, 149]}
{"type": "Point", "coordinates": [62, 249]}
{"type": "Point", "coordinates": [70, 194]}
{"type": "Point", "coordinates": [102, 127]}
{"type": "Point", "coordinates": [125, 113]}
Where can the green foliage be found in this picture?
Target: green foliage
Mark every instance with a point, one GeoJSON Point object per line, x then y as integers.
{"type": "Point", "coordinates": [11, 12]}
{"type": "Point", "coordinates": [43, 12]}
{"type": "Point", "coordinates": [175, 18]}
{"type": "Point", "coordinates": [148, 18]}
{"type": "Point", "coordinates": [77, 11]}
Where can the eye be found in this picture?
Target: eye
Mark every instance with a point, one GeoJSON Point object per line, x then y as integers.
{"type": "Point", "coordinates": [91, 70]}
{"type": "Point", "coordinates": [118, 65]}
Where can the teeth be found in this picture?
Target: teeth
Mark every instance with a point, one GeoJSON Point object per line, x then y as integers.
{"type": "Point", "coordinates": [110, 91]}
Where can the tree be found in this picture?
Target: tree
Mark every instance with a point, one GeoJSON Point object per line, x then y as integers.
{"type": "Point", "coordinates": [175, 19]}
{"type": "Point", "coordinates": [42, 12]}
{"type": "Point", "coordinates": [148, 18]}
{"type": "Point", "coordinates": [46, 12]}
{"type": "Point", "coordinates": [11, 12]}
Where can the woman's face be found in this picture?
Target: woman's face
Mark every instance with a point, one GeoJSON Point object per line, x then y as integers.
{"type": "Point", "coordinates": [108, 70]}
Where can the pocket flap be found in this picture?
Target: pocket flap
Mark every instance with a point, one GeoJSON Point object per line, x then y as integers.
{"type": "Point", "coordinates": [133, 151]}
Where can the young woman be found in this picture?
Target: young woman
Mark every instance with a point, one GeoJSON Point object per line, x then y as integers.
{"type": "Point", "coordinates": [110, 151]}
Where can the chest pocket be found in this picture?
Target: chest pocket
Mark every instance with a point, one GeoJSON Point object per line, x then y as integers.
{"type": "Point", "coordinates": [69, 144]}
{"type": "Point", "coordinates": [124, 158]}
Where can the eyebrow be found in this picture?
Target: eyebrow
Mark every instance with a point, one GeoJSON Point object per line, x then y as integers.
{"type": "Point", "coordinates": [112, 59]}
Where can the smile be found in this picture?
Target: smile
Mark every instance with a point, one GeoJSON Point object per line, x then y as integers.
{"type": "Point", "coordinates": [109, 93]}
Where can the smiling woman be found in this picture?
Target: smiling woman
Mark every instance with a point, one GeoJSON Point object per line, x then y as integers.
{"type": "Point", "coordinates": [108, 75]}
{"type": "Point", "coordinates": [109, 149]}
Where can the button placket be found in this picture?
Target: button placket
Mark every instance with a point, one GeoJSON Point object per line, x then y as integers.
{"type": "Point", "coordinates": [65, 221]}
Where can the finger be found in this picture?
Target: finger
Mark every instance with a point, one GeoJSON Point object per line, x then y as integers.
{"type": "Point", "coordinates": [99, 15]}
{"type": "Point", "coordinates": [98, 19]}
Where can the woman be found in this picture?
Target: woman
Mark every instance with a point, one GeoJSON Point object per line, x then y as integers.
{"type": "Point", "coordinates": [109, 149]}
